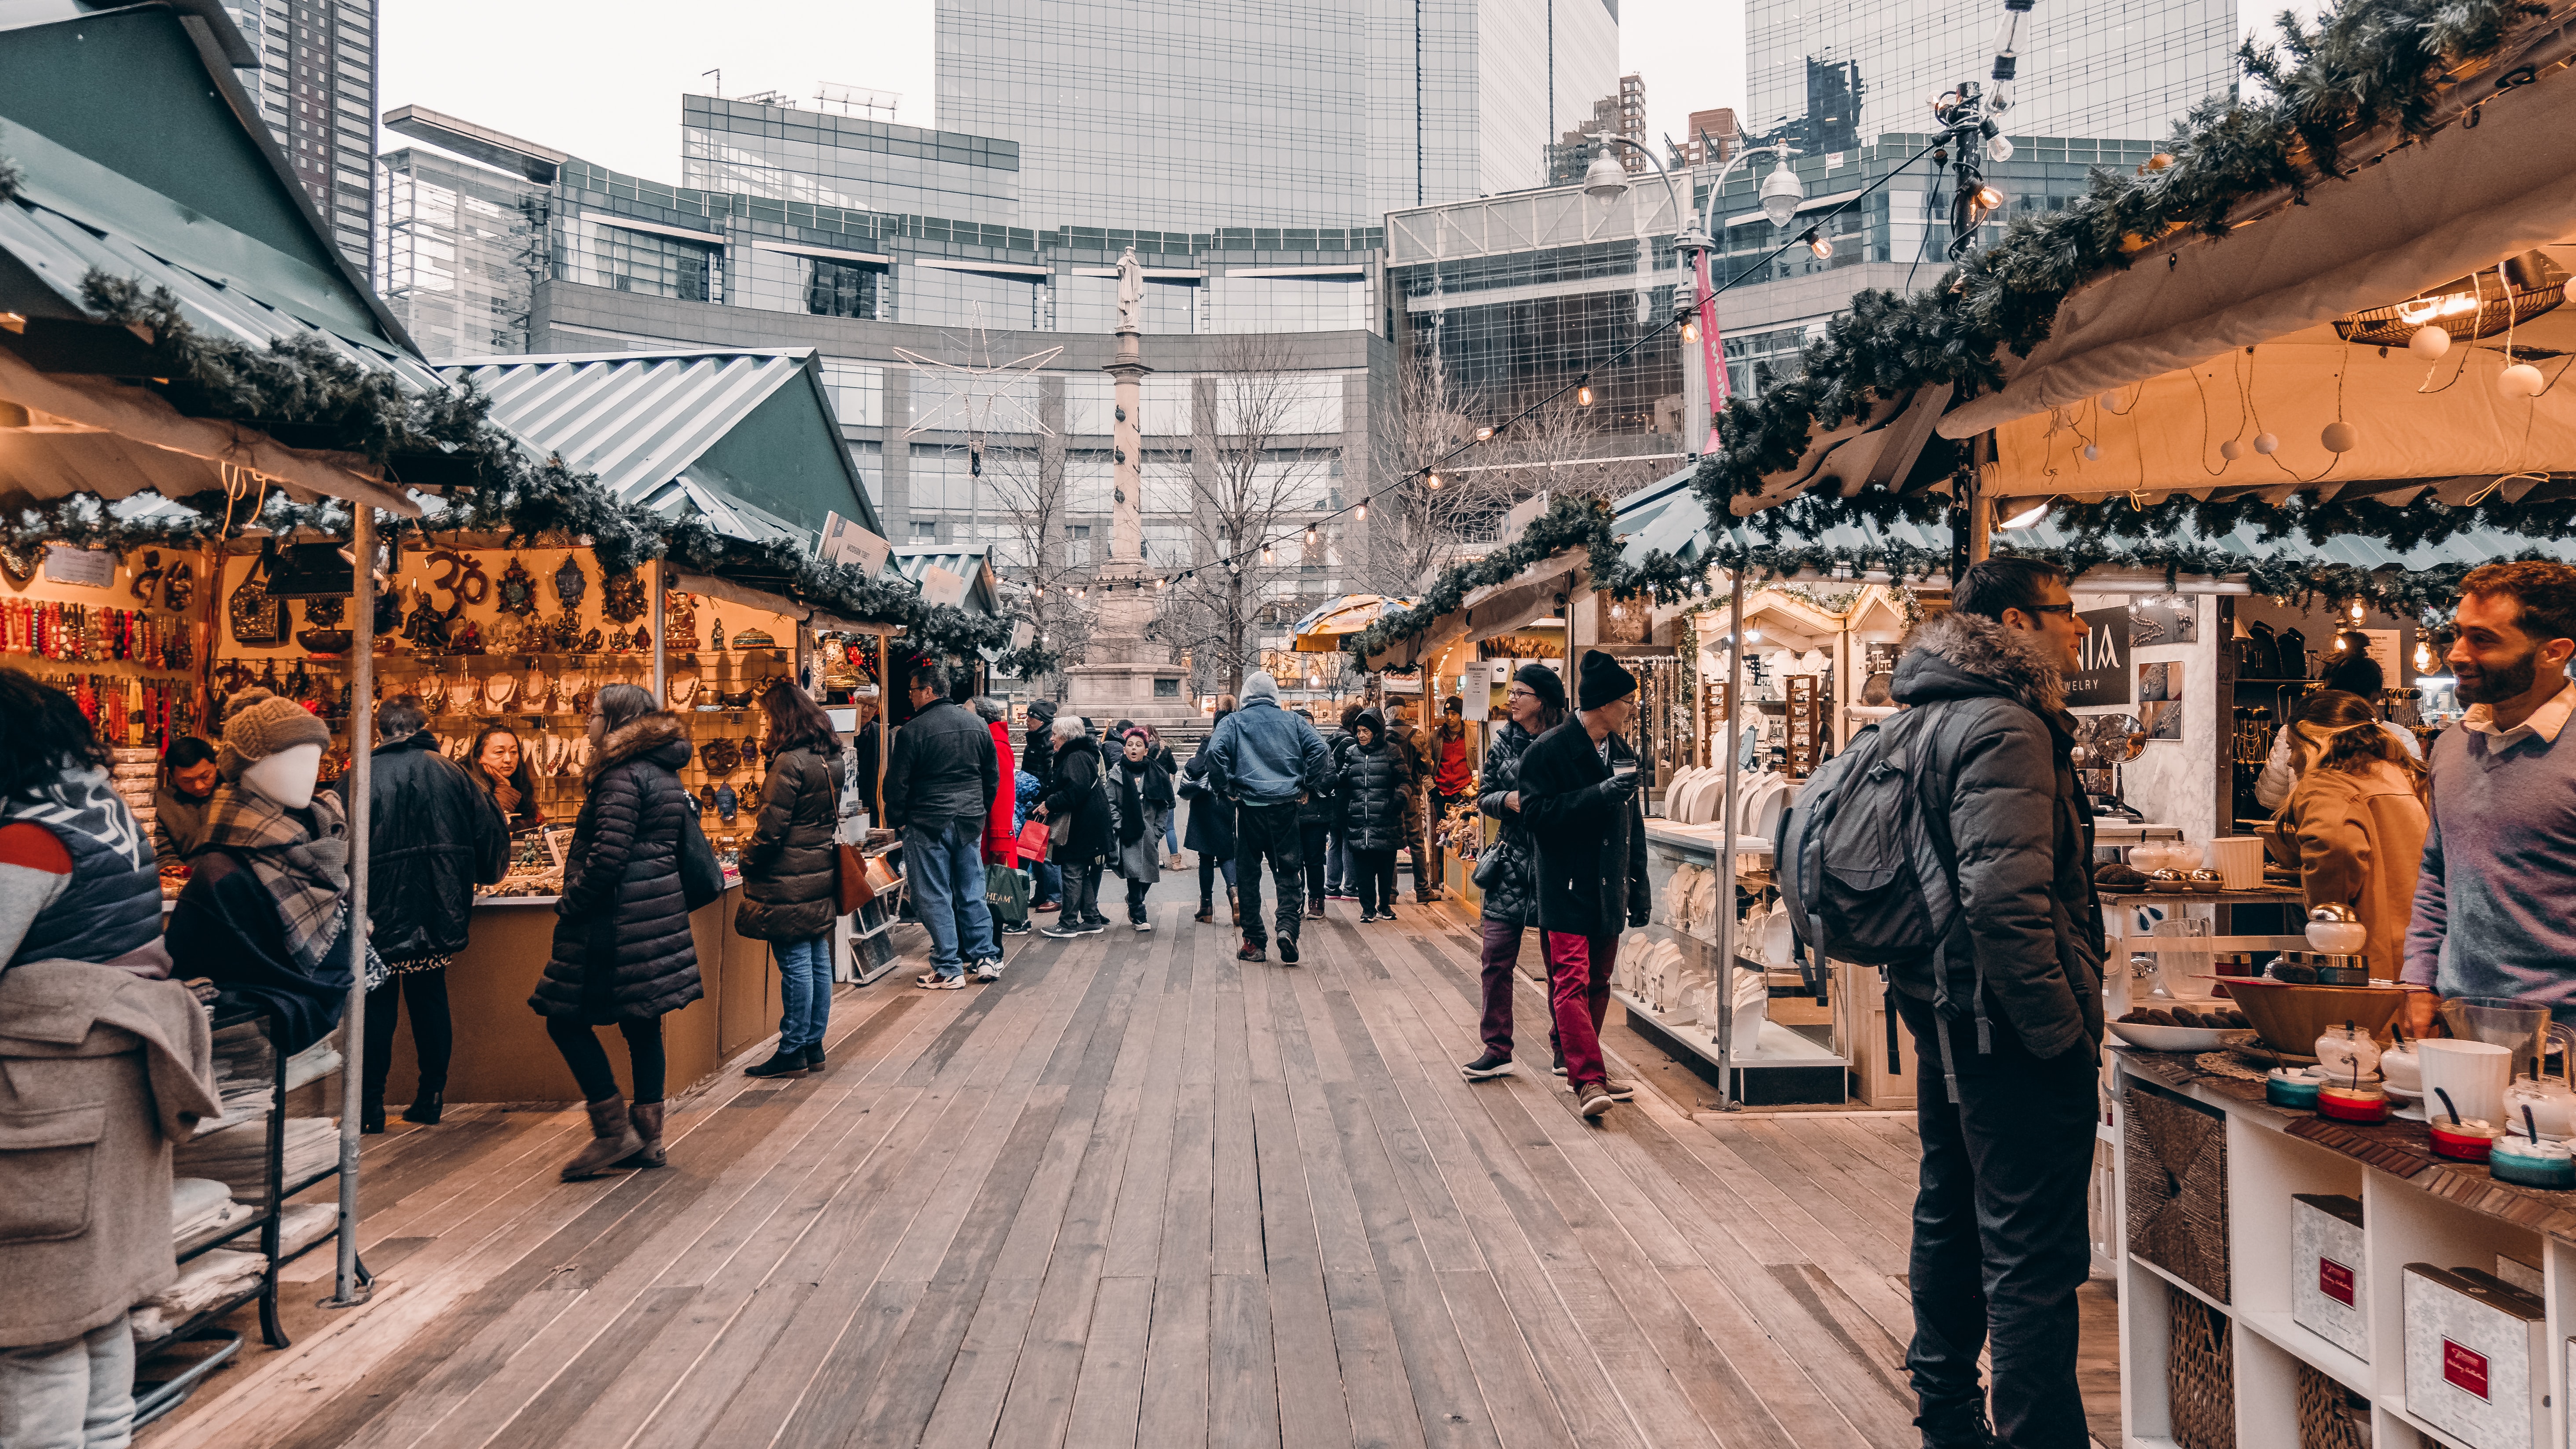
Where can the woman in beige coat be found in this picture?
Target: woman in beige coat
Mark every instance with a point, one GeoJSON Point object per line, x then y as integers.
{"type": "Point", "coordinates": [2355, 821]}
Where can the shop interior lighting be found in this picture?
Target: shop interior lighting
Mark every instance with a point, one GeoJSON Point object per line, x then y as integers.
{"type": "Point", "coordinates": [2028, 517]}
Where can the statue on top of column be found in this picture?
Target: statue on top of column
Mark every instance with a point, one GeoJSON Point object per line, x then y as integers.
{"type": "Point", "coordinates": [1131, 292]}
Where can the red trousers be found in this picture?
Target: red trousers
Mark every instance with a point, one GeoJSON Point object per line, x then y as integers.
{"type": "Point", "coordinates": [1578, 988]}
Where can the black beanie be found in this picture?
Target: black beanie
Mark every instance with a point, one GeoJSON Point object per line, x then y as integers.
{"type": "Point", "coordinates": [1604, 682]}
{"type": "Point", "coordinates": [1543, 682]}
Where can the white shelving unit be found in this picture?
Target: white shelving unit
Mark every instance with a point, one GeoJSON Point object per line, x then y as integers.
{"type": "Point", "coordinates": [2403, 1222]}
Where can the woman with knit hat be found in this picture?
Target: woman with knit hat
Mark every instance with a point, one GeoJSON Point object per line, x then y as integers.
{"type": "Point", "coordinates": [266, 913]}
{"type": "Point", "coordinates": [623, 954]}
{"type": "Point", "coordinates": [1579, 803]}
{"type": "Point", "coordinates": [1507, 870]}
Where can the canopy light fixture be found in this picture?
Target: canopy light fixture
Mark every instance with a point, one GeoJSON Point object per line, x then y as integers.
{"type": "Point", "coordinates": [2028, 517]}
{"type": "Point", "coordinates": [1781, 194]}
{"type": "Point", "coordinates": [2476, 305]}
{"type": "Point", "coordinates": [1605, 180]}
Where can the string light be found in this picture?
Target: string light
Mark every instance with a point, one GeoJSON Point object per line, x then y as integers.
{"type": "Point", "coordinates": [1818, 244]}
{"type": "Point", "coordinates": [1265, 553]}
{"type": "Point", "coordinates": [1583, 395]}
{"type": "Point", "coordinates": [1690, 329]}
{"type": "Point", "coordinates": [1362, 513]}
{"type": "Point", "coordinates": [1310, 535]}
{"type": "Point", "coordinates": [1484, 434]}
{"type": "Point", "coordinates": [2423, 656]}
{"type": "Point", "coordinates": [2356, 611]}
{"type": "Point", "coordinates": [1435, 482]}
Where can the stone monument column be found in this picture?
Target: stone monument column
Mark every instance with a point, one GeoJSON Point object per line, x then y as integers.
{"type": "Point", "coordinates": [1125, 675]}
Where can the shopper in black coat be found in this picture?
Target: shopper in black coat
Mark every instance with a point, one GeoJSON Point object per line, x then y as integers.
{"type": "Point", "coordinates": [1507, 870]}
{"type": "Point", "coordinates": [791, 873]}
{"type": "Point", "coordinates": [1037, 759]}
{"type": "Point", "coordinates": [1210, 833]}
{"type": "Point", "coordinates": [1374, 783]}
{"type": "Point", "coordinates": [1583, 815]}
{"type": "Point", "coordinates": [433, 835]}
{"type": "Point", "coordinates": [1077, 795]}
{"type": "Point", "coordinates": [1319, 819]}
{"type": "Point", "coordinates": [623, 952]}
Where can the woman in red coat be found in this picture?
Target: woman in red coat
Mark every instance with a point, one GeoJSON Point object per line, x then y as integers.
{"type": "Point", "coordinates": [1001, 842]}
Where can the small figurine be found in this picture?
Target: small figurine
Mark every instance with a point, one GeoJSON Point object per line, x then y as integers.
{"type": "Point", "coordinates": [570, 584]}
{"type": "Point", "coordinates": [518, 590]}
{"type": "Point", "coordinates": [622, 598]}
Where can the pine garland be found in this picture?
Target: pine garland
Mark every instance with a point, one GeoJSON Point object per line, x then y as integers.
{"type": "Point", "coordinates": [300, 383]}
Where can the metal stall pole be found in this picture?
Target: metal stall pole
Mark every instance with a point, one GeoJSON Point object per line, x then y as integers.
{"type": "Point", "coordinates": [661, 645]}
{"type": "Point", "coordinates": [1726, 1100]}
{"type": "Point", "coordinates": [347, 1291]}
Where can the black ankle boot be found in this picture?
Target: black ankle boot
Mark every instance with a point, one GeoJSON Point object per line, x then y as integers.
{"type": "Point", "coordinates": [424, 1109]}
{"type": "Point", "coordinates": [371, 1116]}
{"type": "Point", "coordinates": [1962, 1426]}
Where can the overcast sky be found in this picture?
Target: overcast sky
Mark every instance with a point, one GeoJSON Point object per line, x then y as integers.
{"type": "Point", "coordinates": [603, 81]}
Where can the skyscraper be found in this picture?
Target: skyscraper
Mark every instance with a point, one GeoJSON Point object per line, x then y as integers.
{"type": "Point", "coordinates": [1183, 115]}
{"type": "Point", "coordinates": [316, 88]}
{"type": "Point", "coordinates": [1842, 75]}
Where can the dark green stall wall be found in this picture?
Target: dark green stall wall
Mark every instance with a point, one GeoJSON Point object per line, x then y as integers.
{"type": "Point", "coordinates": [787, 457]}
{"type": "Point", "coordinates": [129, 92]}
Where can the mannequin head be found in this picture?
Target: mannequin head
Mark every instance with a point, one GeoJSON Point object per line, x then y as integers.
{"type": "Point", "coordinates": [285, 778]}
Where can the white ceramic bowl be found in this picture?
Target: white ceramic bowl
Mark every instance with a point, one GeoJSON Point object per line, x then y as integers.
{"type": "Point", "coordinates": [2169, 1038]}
{"type": "Point", "coordinates": [2341, 938]}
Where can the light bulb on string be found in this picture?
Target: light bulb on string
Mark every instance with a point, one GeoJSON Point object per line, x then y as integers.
{"type": "Point", "coordinates": [1583, 395]}
{"type": "Point", "coordinates": [1690, 329]}
{"type": "Point", "coordinates": [2423, 656]}
{"type": "Point", "coordinates": [2429, 342]}
{"type": "Point", "coordinates": [1311, 535]}
{"type": "Point", "coordinates": [1483, 434]}
{"type": "Point", "coordinates": [1265, 553]}
{"type": "Point", "coordinates": [1435, 483]}
{"type": "Point", "coordinates": [2520, 380]}
{"type": "Point", "coordinates": [2356, 611]}
{"type": "Point", "coordinates": [1361, 513]}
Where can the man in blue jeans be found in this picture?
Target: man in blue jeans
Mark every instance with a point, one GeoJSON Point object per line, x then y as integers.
{"type": "Point", "coordinates": [1269, 762]}
{"type": "Point", "coordinates": [939, 791]}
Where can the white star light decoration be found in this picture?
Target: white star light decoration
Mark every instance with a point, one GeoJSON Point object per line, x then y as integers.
{"type": "Point", "coordinates": [974, 397]}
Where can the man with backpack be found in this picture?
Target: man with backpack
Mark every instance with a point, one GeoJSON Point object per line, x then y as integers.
{"type": "Point", "coordinates": [1964, 868]}
{"type": "Point", "coordinates": [1578, 789]}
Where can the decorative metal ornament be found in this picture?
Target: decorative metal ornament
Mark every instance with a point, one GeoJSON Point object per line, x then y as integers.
{"type": "Point", "coordinates": [716, 636]}
{"type": "Point", "coordinates": [622, 598]}
{"type": "Point", "coordinates": [19, 565]}
{"type": "Point", "coordinates": [518, 590]}
{"type": "Point", "coordinates": [570, 584]}
{"type": "Point", "coordinates": [706, 799]}
{"type": "Point", "coordinates": [617, 641]}
{"type": "Point", "coordinates": [728, 804]}
{"type": "Point", "coordinates": [590, 641]}
{"type": "Point", "coordinates": [178, 586]}
{"type": "Point", "coordinates": [679, 620]}
{"type": "Point", "coordinates": [643, 640]}
{"type": "Point", "coordinates": [325, 613]}
{"type": "Point", "coordinates": [567, 632]}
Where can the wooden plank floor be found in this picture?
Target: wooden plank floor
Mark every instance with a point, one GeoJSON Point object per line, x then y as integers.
{"type": "Point", "coordinates": [1135, 1193]}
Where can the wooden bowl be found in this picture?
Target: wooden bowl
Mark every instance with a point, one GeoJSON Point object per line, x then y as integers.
{"type": "Point", "coordinates": [2290, 1018]}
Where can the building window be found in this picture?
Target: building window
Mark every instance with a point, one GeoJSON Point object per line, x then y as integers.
{"type": "Point", "coordinates": [925, 529]}
{"type": "Point", "coordinates": [837, 289]}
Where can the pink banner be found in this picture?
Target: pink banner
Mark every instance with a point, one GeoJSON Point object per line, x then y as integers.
{"type": "Point", "coordinates": [1712, 352]}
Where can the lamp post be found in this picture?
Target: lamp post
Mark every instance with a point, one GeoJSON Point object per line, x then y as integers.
{"type": "Point", "coordinates": [1605, 181]}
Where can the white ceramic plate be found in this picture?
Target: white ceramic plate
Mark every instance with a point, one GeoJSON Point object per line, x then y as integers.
{"type": "Point", "coordinates": [2169, 1038]}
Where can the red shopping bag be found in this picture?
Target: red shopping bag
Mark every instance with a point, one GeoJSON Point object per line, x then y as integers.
{"type": "Point", "coordinates": [1033, 842]}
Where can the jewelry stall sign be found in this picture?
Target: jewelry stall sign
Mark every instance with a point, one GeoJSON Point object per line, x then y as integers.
{"type": "Point", "coordinates": [2102, 676]}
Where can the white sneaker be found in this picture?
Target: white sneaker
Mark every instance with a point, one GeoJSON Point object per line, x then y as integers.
{"type": "Point", "coordinates": [1146, 924]}
{"type": "Point", "coordinates": [988, 969]}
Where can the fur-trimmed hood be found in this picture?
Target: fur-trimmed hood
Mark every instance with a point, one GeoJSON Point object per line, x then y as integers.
{"type": "Point", "coordinates": [662, 737]}
{"type": "Point", "coordinates": [1969, 656]}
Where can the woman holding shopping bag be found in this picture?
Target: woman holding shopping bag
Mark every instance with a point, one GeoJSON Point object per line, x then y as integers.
{"type": "Point", "coordinates": [1141, 801]}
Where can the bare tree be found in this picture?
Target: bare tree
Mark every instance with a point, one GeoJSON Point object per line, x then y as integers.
{"type": "Point", "coordinates": [1030, 494]}
{"type": "Point", "coordinates": [1259, 474]}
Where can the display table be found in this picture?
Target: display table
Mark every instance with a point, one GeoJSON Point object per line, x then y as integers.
{"type": "Point", "coordinates": [2235, 1274]}
{"type": "Point", "coordinates": [502, 1051]}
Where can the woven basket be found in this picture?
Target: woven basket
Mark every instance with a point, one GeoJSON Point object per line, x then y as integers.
{"type": "Point", "coordinates": [2200, 1376]}
{"type": "Point", "coordinates": [2177, 1188]}
{"type": "Point", "coordinates": [2323, 1424]}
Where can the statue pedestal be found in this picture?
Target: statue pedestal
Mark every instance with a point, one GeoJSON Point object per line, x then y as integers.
{"type": "Point", "coordinates": [1126, 675]}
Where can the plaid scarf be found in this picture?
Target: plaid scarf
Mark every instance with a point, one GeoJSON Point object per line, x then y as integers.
{"type": "Point", "coordinates": [305, 869]}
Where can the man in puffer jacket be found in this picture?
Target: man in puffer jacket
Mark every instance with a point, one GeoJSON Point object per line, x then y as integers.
{"type": "Point", "coordinates": [1999, 1226]}
{"type": "Point", "coordinates": [1267, 761]}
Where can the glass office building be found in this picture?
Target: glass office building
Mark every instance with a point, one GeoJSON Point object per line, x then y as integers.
{"type": "Point", "coordinates": [1188, 115]}
{"type": "Point", "coordinates": [2126, 69]}
{"type": "Point", "coordinates": [316, 87]}
{"type": "Point", "coordinates": [899, 298]}
{"type": "Point", "coordinates": [1518, 296]}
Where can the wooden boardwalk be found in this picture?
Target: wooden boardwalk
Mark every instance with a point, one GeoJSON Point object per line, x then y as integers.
{"type": "Point", "coordinates": [1137, 1192]}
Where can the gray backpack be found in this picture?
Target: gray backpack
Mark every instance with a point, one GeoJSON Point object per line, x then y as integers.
{"type": "Point", "coordinates": [1864, 861]}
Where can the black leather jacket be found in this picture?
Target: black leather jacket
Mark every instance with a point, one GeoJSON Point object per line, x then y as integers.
{"type": "Point", "coordinates": [433, 836]}
{"type": "Point", "coordinates": [1513, 897]}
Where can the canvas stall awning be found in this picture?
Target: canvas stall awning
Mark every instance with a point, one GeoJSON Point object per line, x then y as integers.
{"type": "Point", "coordinates": [2202, 341]}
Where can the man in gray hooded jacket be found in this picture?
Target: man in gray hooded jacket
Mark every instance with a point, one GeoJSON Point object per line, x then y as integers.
{"type": "Point", "coordinates": [1999, 1215]}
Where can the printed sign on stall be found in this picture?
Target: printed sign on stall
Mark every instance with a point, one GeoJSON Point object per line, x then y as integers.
{"type": "Point", "coordinates": [2103, 675]}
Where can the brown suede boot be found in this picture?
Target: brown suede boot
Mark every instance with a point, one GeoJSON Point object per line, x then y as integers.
{"type": "Point", "coordinates": [647, 1117]}
{"type": "Point", "coordinates": [1234, 904]}
{"type": "Point", "coordinates": [612, 1140]}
